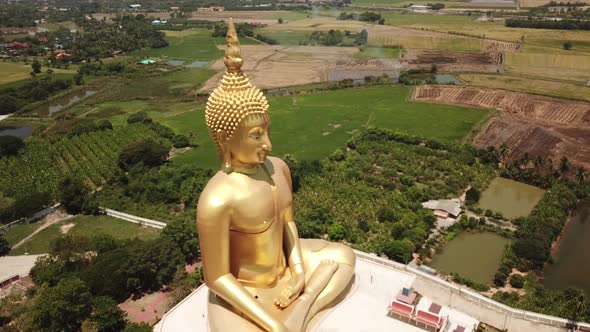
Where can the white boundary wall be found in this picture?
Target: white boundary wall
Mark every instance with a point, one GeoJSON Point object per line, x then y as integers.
{"type": "Point", "coordinates": [37, 215]}
{"type": "Point", "coordinates": [134, 219]}
{"type": "Point", "coordinates": [474, 304]}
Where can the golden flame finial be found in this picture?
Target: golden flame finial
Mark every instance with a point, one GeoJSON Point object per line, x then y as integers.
{"type": "Point", "coordinates": [232, 58]}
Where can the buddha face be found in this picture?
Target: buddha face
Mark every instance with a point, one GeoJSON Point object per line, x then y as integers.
{"type": "Point", "coordinates": [251, 142]}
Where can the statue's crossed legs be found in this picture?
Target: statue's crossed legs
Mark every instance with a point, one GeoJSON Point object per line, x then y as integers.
{"type": "Point", "coordinates": [329, 274]}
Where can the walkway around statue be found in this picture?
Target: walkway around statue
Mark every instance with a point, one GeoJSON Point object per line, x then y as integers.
{"type": "Point", "coordinates": [455, 296]}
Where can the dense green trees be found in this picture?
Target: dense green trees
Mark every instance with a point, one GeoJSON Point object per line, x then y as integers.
{"type": "Point", "coordinates": [4, 246]}
{"type": "Point", "coordinates": [10, 145]}
{"type": "Point", "coordinates": [63, 307]}
{"type": "Point", "coordinates": [107, 316]}
{"type": "Point", "coordinates": [380, 183]}
{"type": "Point", "coordinates": [544, 224]}
{"type": "Point", "coordinates": [72, 194]}
{"type": "Point", "coordinates": [184, 235]}
{"type": "Point", "coordinates": [146, 152]}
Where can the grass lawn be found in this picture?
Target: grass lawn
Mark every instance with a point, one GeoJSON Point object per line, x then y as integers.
{"type": "Point", "coordinates": [19, 232]}
{"type": "Point", "coordinates": [87, 226]}
{"type": "Point", "coordinates": [378, 52]}
{"type": "Point", "coordinates": [529, 85]}
{"type": "Point", "coordinates": [312, 126]}
{"type": "Point", "coordinates": [193, 44]}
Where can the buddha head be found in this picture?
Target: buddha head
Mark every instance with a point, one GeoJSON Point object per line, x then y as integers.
{"type": "Point", "coordinates": [237, 113]}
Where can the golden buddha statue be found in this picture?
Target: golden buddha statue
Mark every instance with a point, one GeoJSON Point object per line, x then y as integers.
{"type": "Point", "coordinates": [261, 276]}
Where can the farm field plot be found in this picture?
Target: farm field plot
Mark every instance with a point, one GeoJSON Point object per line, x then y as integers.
{"type": "Point", "coordinates": [575, 76]}
{"type": "Point", "coordinates": [402, 3]}
{"type": "Point", "coordinates": [281, 66]}
{"type": "Point", "coordinates": [92, 156]}
{"type": "Point", "coordinates": [529, 85]}
{"type": "Point", "coordinates": [451, 61]}
{"type": "Point", "coordinates": [530, 124]}
{"type": "Point", "coordinates": [491, 30]}
{"type": "Point", "coordinates": [193, 44]}
{"type": "Point", "coordinates": [16, 71]}
{"type": "Point", "coordinates": [312, 126]}
{"type": "Point", "coordinates": [548, 60]}
{"type": "Point", "coordinates": [87, 226]}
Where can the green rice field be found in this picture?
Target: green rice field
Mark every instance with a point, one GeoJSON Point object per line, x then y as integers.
{"type": "Point", "coordinates": [312, 126]}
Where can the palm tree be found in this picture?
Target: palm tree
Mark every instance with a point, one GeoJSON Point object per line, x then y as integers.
{"type": "Point", "coordinates": [580, 174]}
{"type": "Point", "coordinates": [564, 165]}
{"type": "Point", "coordinates": [503, 150]}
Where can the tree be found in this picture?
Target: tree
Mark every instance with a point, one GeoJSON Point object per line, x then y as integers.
{"type": "Point", "coordinates": [63, 307]}
{"type": "Point", "coordinates": [362, 38]}
{"type": "Point", "coordinates": [48, 269]}
{"type": "Point", "coordinates": [184, 235]}
{"type": "Point", "coordinates": [72, 250]}
{"type": "Point", "coordinates": [139, 117]}
{"type": "Point", "coordinates": [79, 79]}
{"type": "Point", "coordinates": [10, 145]}
{"type": "Point", "coordinates": [336, 232]}
{"type": "Point", "coordinates": [564, 165]}
{"type": "Point", "coordinates": [580, 174]}
{"type": "Point", "coordinates": [568, 45]}
{"type": "Point", "coordinates": [503, 152]}
{"type": "Point", "coordinates": [148, 152]}
{"type": "Point", "coordinates": [107, 315]}
{"type": "Point", "coordinates": [36, 66]}
{"type": "Point", "coordinates": [72, 194]}
{"type": "Point", "coordinates": [472, 196]}
{"type": "Point", "coordinates": [399, 250]}
{"type": "Point", "coordinates": [180, 141]}
{"type": "Point", "coordinates": [8, 104]}
{"type": "Point", "coordinates": [138, 327]}
{"type": "Point", "coordinates": [104, 124]}
{"type": "Point", "coordinates": [517, 281]}
{"type": "Point", "coordinates": [4, 246]}
{"type": "Point", "coordinates": [433, 68]}
{"type": "Point", "coordinates": [280, 20]}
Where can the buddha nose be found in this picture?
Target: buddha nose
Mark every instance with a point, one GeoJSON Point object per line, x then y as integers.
{"type": "Point", "coordinates": [266, 145]}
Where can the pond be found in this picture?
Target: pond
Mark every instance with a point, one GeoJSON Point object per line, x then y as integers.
{"type": "Point", "coordinates": [175, 62]}
{"type": "Point", "coordinates": [513, 199]}
{"type": "Point", "coordinates": [446, 79]}
{"type": "Point", "coordinates": [198, 64]}
{"type": "Point", "coordinates": [20, 132]}
{"type": "Point", "coordinates": [65, 101]}
{"type": "Point", "coordinates": [476, 256]}
{"type": "Point", "coordinates": [572, 262]}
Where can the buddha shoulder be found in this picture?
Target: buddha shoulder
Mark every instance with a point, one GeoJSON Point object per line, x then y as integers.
{"type": "Point", "coordinates": [216, 199]}
{"type": "Point", "coordinates": [280, 165]}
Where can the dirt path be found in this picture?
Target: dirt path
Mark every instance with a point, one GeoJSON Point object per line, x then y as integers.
{"type": "Point", "coordinates": [47, 221]}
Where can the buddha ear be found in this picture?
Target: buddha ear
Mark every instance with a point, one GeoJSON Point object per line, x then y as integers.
{"type": "Point", "coordinates": [222, 136]}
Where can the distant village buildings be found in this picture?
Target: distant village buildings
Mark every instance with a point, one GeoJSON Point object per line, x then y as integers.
{"type": "Point", "coordinates": [211, 9]}
{"type": "Point", "coordinates": [420, 9]}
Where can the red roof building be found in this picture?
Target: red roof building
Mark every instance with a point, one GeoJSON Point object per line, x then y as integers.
{"type": "Point", "coordinates": [42, 40]}
{"type": "Point", "coordinates": [429, 319]}
{"type": "Point", "coordinates": [401, 309]}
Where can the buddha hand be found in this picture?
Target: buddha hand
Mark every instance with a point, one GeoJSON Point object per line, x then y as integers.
{"type": "Point", "coordinates": [291, 291]}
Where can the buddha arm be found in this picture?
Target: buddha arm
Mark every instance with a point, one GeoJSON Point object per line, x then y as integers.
{"type": "Point", "coordinates": [291, 243]}
{"type": "Point", "coordinates": [213, 221]}
{"type": "Point", "coordinates": [291, 236]}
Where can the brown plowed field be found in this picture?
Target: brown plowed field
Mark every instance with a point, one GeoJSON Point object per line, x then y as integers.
{"type": "Point", "coordinates": [527, 123]}
{"type": "Point", "coordinates": [279, 66]}
{"type": "Point", "coordinates": [448, 61]}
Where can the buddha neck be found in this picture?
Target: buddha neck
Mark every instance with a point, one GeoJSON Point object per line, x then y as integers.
{"type": "Point", "coordinates": [240, 169]}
